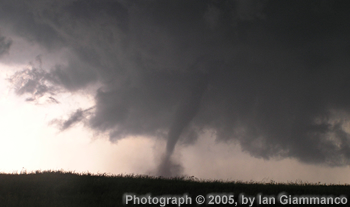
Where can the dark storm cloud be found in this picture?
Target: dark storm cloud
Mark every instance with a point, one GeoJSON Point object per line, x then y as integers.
{"type": "Point", "coordinates": [33, 81]}
{"type": "Point", "coordinates": [271, 75]}
{"type": "Point", "coordinates": [39, 82]}
{"type": "Point", "coordinates": [78, 116]}
{"type": "Point", "coordinates": [5, 45]}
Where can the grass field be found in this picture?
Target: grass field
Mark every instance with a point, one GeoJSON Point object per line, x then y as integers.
{"type": "Point", "coordinates": [58, 188]}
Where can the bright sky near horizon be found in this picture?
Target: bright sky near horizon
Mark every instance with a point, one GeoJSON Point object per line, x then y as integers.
{"type": "Point", "coordinates": [128, 91]}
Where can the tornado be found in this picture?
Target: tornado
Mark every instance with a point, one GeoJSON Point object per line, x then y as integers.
{"type": "Point", "coordinates": [184, 114]}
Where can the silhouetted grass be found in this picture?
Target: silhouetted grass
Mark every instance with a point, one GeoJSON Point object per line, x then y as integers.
{"type": "Point", "coordinates": [59, 188]}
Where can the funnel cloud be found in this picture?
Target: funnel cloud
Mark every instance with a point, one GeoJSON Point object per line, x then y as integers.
{"type": "Point", "coordinates": [272, 76]}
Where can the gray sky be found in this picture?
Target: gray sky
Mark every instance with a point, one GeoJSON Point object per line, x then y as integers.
{"type": "Point", "coordinates": [267, 78]}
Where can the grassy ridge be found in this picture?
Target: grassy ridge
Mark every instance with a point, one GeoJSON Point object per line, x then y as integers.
{"type": "Point", "coordinates": [57, 188]}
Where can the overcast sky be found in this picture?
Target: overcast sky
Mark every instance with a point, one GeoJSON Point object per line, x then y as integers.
{"type": "Point", "coordinates": [231, 89]}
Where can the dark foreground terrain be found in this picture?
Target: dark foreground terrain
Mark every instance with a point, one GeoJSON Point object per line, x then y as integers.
{"type": "Point", "coordinates": [56, 188]}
